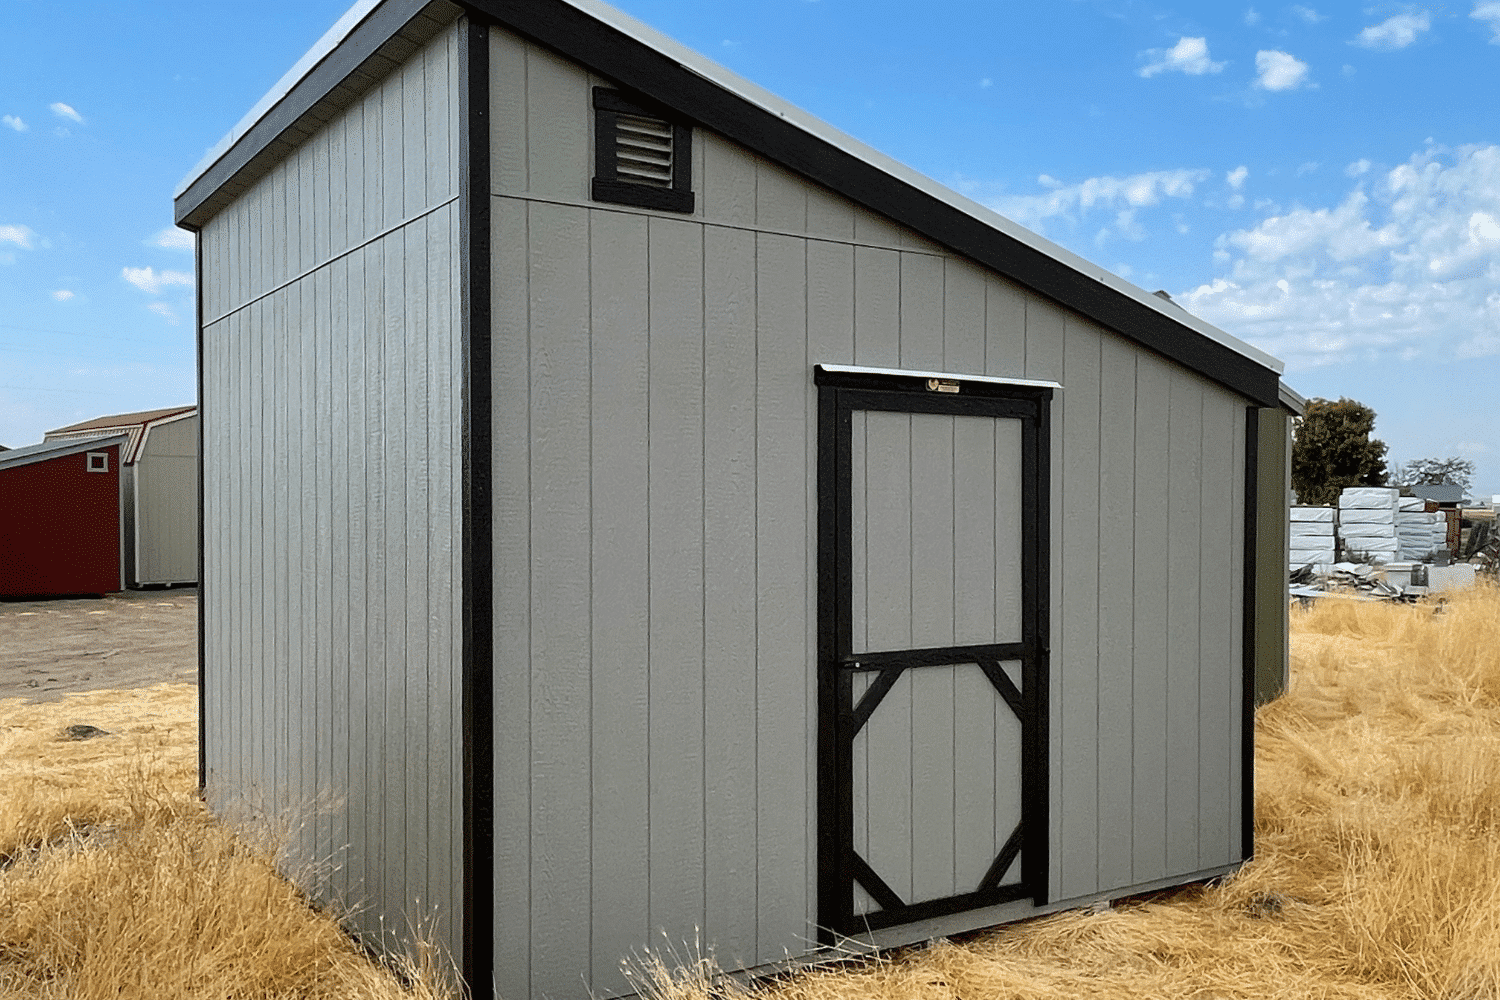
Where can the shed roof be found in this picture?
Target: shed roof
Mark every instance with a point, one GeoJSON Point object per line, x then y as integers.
{"type": "Point", "coordinates": [1439, 492]}
{"type": "Point", "coordinates": [374, 35]}
{"type": "Point", "coordinates": [133, 425]}
{"type": "Point", "coordinates": [48, 450]}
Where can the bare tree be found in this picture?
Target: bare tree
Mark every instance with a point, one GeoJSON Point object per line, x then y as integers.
{"type": "Point", "coordinates": [1434, 471]}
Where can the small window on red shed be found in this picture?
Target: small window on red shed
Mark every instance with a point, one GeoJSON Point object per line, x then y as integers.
{"type": "Point", "coordinates": [98, 461]}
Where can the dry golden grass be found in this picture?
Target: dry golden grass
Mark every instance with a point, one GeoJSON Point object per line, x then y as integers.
{"type": "Point", "coordinates": [1377, 873]}
{"type": "Point", "coordinates": [1377, 870]}
{"type": "Point", "coordinates": [114, 881]}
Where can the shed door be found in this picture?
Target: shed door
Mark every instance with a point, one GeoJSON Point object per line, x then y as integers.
{"type": "Point", "coordinates": [932, 707]}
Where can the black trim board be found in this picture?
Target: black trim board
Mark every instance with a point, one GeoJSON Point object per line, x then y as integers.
{"type": "Point", "coordinates": [1250, 623]}
{"type": "Point", "coordinates": [476, 678]}
{"type": "Point", "coordinates": [202, 647]}
{"type": "Point", "coordinates": [635, 65]}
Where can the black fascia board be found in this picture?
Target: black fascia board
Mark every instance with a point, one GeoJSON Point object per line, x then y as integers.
{"type": "Point", "coordinates": [578, 36]}
{"type": "Point", "coordinates": [328, 76]}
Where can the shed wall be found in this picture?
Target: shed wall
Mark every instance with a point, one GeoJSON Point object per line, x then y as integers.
{"type": "Point", "coordinates": [60, 527]}
{"type": "Point", "coordinates": [165, 495]}
{"type": "Point", "coordinates": [331, 385]}
{"type": "Point", "coordinates": [655, 511]}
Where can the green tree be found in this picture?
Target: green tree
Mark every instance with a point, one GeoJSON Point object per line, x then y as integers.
{"type": "Point", "coordinates": [1332, 449]}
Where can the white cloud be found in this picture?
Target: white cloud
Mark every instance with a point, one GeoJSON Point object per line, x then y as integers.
{"type": "Point", "coordinates": [1406, 264]}
{"type": "Point", "coordinates": [173, 238]}
{"type": "Point", "coordinates": [1310, 167]}
{"type": "Point", "coordinates": [62, 110]}
{"type": "Point", "coordinates": [1189, 55]}
{"type": "Point", "coordinates": [1357, 168]}
{"type": "Point", "coordinates": [1236, 177]}
{"type": "Point", "coordinates": [152, 282]}
{"type": "Point", "coordinates": [1252, 17]}
{"type": "Point", "coordinates": [163, 310]}
{"type": "Point", "coordinates": [19, 235]}
{"type": "Point", "coordinates": [1279, 70]}
{"type": "Point", "coordinates": [1394, 33]}
{"type": "Point", "coordinates": [62, 295]}
{"type": "Point", "coordinates": [1489, 12]}
{"type": "Point", "coordinates": [1120, 196]}
{"type": "Point", "coordinates": [1309, 15]}
{"type": "Point", "coordinates": [986, 83]}
{"type": "Point", "coordinates": [12, 121]}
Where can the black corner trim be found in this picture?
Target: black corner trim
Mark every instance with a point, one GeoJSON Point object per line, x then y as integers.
{"type": "Point", "coordinates": [1250, 625]}
{"type": "Point", "coordinates": [202, 646]}
{"type": "Point", "coordinates": [476, 680]}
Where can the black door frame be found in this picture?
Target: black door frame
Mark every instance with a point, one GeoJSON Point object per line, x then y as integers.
{"type": "Point", "coordinates": [840, 867]}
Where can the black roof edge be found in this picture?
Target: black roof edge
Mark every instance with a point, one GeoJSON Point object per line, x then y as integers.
{"type": "Point", "coordinates": [582, 38]}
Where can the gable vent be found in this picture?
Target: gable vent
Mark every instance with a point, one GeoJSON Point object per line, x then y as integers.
{"type": "Point", "coordinates": [641, 156]}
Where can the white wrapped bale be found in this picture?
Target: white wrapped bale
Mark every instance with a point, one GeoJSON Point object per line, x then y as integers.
{"type": "Point", "coordinates": [1412, 504]}
{"type": "Point", "coordinates": [1369, 497]}
{"type": "Point", "coordinates": [1367, 515]}
{"type": "Point", "coordinates": [1316, 515]}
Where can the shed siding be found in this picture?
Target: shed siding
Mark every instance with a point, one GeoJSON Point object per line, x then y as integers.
{"type": "Point", "coordinates": [166, 505]}
{"type": "Point", "coordinates": [332, 503]}
{"type": "Point", "coordinates": [655, 588]}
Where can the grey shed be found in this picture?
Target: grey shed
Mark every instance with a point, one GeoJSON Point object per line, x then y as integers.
{"type": "Point", "coordinates": [634, 510]}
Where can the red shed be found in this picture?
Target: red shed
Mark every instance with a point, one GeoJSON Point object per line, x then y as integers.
{"type": "Point", "coordinates": [60, 518]}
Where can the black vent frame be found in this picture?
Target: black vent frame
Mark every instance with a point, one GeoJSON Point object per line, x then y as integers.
{"type": "Point", "coordinates": [609, 106]}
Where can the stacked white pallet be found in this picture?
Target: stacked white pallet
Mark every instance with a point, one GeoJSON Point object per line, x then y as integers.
{"type": "Point", "coordinates": [1418, 531]}
{"type": "Point", "coordinates": [1367, 522]}
{"type": "Point", "coordinates": [1312, 539]}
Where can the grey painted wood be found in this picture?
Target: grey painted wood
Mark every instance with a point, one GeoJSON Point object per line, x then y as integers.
{"type": "Point", "coordinates": [1184, 544]}
{"type": "Point", "coordinates": [1151, 597]}
{"type": "Point", "coordinates": [1218, 633]}
{"type": "Point", "coordinates": [1117, 555]}
{"type": "Point", "coordinates": [1078, 663]}
{"type": "Point", "coordinates": [330, 583]}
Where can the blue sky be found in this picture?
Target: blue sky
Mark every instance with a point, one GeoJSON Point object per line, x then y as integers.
{"type": "Point", "coordinates": [1320, 180]}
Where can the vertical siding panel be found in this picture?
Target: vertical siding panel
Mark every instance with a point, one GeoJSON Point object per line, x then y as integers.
{"type": "Point", "coordinates": [363, 725]}
{"type": "Point", "coordinates": [322, 202]}
{"type": "Point", "coordinates": [393, 483]}
{"type": "Point", "coordinates": [1184, 478]}
{"type": "Point", "coordinates": [727, 188]}
{"type": "Point", "coordinates": [620, 611]}
{"type": "Point", "coordinates": [1117, 548]}
{"type": "Point", "coordinates": [921, 311]}
{"type": "Point", "coordinates": [963, 317]}
{"type": "Point", "coordinates": [877, 307]}
{"type": "Point", "coordinates": [1004, 329]}
{"type": "Point", "coordinates": [439, 93]}
{"type": "Point", "coordinates": [377, 455]}
{"type": "Point", "coordinates": [417, 475]}
{"type": "Point", "coordinates": [341, 588]}
{"type": "Point", "coordinates": [511, 428]}
{"type": "Point", "coordinates": [285, 585]}
{"type": "Point", "coordinates": [677, 735]}
{"type": "Point", "coordinates": [829, 216]}
{"type": "Point", "coordinates": [272, 475]}
{"type": "Point", "coordinates": [559, 114]}
{"type": "Point", "coordinates": [336, 186]}
{"type": "Point", "coordinates": [373, 174]}
{"type": "Point", "coordinates": [302, 552]}
{"type": "Point", "coordinates": [1079, 667]}
{"type": "Point", "coordinates": [509, 151]}
{"type": "Point", "coordinates": [873, 229]}
{"type": "Point", "coordinates": [1217, 634]}
{"type": "Point", "coordinates": [242, 342]}
{"type": "Point", "coordinates": [729, 536]}
{"type": "Point", "coordinates": [1151, 599]}
{"type": "Point", "coordinates": [323, 582]}
{"type": "Point", "coordinates": [780, 199]}
{"type": "Point", "coordinates": [392, 159]}
{"type": "Point", "coordinates": [303, 212]}
{"type": "Point", "coordinates": [783, 881]}
{"type": "Point", "coordinates": [354, 174]}
{"type": "Point", "coordinates": [1235, 534]}
{"type": "Point", "coordinates": [417, 118]}
{"type": "Point", "coordinates": [560, 660]}
{"type": "Point", "coordinates": [444, 805]}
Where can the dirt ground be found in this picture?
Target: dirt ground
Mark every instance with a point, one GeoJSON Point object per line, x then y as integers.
{"type": "Point", "coordinates": [134, 639]}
